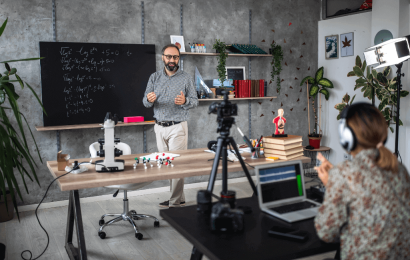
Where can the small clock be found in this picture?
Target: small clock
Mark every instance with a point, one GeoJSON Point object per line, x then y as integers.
{"type": "Point", "coordinates": [382, 36]}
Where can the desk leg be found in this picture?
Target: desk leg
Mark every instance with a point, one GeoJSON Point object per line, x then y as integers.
{"type": "Point", "coordinates": [74, 216]}
{"type": "Point", "coordinates": [196, 254]}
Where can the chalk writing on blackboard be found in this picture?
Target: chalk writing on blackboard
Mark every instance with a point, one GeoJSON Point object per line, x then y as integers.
{"type": "Point", "coordinates": [78, 98]}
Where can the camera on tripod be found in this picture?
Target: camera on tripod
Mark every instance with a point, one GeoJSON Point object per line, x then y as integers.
{"type": "Point", "coordinates": [224, 111]}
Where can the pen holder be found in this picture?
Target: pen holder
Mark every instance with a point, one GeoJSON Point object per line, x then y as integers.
{"type": "Point", "coordinates": [256, 153]}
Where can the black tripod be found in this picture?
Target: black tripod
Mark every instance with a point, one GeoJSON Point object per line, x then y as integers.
{"type": "Point", "coordinates": [225, 110]}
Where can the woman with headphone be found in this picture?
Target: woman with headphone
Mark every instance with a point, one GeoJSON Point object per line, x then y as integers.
{"type": "Point", "coordinates": [367, 201]}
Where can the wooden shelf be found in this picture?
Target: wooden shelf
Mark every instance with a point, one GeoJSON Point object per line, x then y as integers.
{"type": "Point", "coordinates": [229, 54]}
{"type": "Point", "coordinates": [85, 126]}
{"type": "Point", "coordinates": [220, 99]}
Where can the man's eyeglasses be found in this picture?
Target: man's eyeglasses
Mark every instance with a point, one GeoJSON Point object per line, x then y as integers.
{"type": "Point", "coordinates": [176, 57]}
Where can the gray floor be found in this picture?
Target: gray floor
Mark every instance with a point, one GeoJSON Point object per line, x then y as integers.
{"type": "Point", "coordinates": [158, 243]}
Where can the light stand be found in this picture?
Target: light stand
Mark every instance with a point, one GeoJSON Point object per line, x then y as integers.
{"type": "Point", "coordinates": [399, 75]}
{"type": "Point", "coordinates": [392, 52]}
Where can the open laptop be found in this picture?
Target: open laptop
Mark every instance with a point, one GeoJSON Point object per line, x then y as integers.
{"type": "Point", "coordinates": [281, 190]}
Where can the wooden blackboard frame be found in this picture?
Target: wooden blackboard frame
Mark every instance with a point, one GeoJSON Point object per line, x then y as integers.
{"type": "Point", "coordinates": [130, 71]}
{"type": "Point", "coordinates": [235, 68]}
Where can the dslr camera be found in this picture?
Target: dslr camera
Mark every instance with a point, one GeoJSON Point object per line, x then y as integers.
{"type": "Point", "coordinates": [227, 220]}
{"type": "Point", "coordinates": [224, 111]}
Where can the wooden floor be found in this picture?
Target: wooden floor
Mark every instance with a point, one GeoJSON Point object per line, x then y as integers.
{"type": "Point", "coordinates": [158, 243]}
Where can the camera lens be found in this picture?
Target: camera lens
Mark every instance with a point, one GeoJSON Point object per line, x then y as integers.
{"type": "Point", "coordinates": [204, 202]}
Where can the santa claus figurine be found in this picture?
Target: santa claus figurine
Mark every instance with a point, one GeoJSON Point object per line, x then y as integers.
{"type": "Point", "coordinates": [279, 122]}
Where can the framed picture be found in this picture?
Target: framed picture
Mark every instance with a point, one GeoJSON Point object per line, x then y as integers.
{"type": "Point", "coordinates": [346, 45]}
{"type": "Point", "coordinates": [178, 40]}
{"type": "Point", "coordinates": [235, 73]}
{"type": "Point", "coordinates": [332, 47]}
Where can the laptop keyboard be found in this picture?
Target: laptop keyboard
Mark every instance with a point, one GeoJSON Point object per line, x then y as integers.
{"type": "Point", "coordinates": [294, 207]}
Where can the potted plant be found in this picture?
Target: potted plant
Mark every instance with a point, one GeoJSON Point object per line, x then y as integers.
{"type": "Point", "coordinates": [319, 84]}
{"type": "Point", "coordinates": [373, 83]}
{"type": "Point", "coordinates": [15, 156]}
{"type": "Point", "coordinates": [220, 48]}
{"type": "Point", "coordinates": [277, 57]}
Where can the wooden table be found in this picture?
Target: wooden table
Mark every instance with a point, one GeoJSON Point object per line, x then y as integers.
{"type": "Point", "coordinates": [193, 162]}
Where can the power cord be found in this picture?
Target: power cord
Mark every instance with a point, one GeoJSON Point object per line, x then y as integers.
{"type": "Point", "coordinates": [48, 238]}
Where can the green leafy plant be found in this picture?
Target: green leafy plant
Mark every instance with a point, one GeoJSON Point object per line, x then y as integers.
{"type": "Point", "coordinates": [14, 150]}
{"type": "Point", "coordinates": [220, 48]}
{"type": "Point", "coordinates": [345, 102]}
{"type": "Point", "coordinates": [277, 57]}
{"type": "Point", "coordinates": [319, 84]}
{"type": "Point", "coordinates": [373, 83]}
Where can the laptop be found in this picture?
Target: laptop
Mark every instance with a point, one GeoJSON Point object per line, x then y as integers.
{"type": "Point", "coordinates": [281, 189]}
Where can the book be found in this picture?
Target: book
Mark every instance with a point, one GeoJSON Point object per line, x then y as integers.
{"type": "Point", "coordinates": [283, 140]}
{"type": "Point", "coordinates": [282, 147]}
{"type": "Point", "coordinates": [284, 152]}
{"type": "Point", "coordinates": [285, 157]}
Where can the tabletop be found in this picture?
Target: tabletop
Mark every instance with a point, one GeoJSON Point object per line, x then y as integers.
{"type": "Point", "coordinates": [192, 162]}
{"type": "Point", "coordinates": [253, 243]}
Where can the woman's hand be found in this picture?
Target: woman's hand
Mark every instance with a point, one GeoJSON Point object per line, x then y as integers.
{"type": "Point", "coordinates": [323, 169]}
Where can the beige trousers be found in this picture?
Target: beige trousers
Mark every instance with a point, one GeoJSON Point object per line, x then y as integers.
{"type": "Point", "coordinates": [173, 138]}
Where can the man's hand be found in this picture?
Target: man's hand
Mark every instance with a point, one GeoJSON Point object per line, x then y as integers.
{"type": "Point", "coordinates": [151, 97]}
{"type": "Point", "coordinates": [180, 99]}
{"type": "Point", "coordinates": [323, 169]}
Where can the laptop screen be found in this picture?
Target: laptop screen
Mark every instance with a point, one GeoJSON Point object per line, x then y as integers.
{"type": "Point", "coordinates": [278, 183]}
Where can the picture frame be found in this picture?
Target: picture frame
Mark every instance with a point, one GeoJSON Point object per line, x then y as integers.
{"type": "Point", "coordinates": [235, 72]}
{"type": "Point", "coordinates": [178, 40]}
{"type": "Point", "coordinates": [332, 47]}
{"type": "Point", "coordinates": [346, 44]}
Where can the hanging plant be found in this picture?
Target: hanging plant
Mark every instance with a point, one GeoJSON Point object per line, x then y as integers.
{"type": "Point", "coordinates": [277, 57]}
{"type": "Point", "coordinates": [220, 48]}
{"type": "Point", "coordinates": [371, 83]}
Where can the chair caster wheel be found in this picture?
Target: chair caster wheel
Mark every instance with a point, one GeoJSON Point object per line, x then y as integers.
{"type": "Point", "coordinates": [139, 236]}
{"type": "Point", "coordinates": [133, 211]}
{"type": "Point", "coordinates": [101, 222]}
{"type": "Point", "coordinates": [156, 224]}
{"type": "Point", "coordinates": [102, 235]}
{"type": "Point", "coordinates": [135, 218]}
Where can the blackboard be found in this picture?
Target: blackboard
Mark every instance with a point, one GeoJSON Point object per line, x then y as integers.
{"type": "Point", "coordinates": [81, 82]}
{"type": "Point", "coordinates": [235, 73]}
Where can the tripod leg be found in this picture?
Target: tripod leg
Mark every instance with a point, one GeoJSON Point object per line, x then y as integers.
{"type": "Point", "coordinates": [224, 169]}
{"type": "Point", "coordinates": [214, 170]}
{"type": "Point", "coordinates": [245, 169]}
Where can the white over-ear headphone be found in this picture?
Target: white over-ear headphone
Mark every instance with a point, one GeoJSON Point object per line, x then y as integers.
{"type": "Point", "coordinates": [347, 137]}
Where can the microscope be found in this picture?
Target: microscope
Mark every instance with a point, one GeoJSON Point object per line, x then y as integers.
{"type": "Point", "coordinates": [109, 164]}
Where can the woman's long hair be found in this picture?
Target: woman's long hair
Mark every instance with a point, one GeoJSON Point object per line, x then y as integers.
{"type": "Point", "coordinates": [370, 128]}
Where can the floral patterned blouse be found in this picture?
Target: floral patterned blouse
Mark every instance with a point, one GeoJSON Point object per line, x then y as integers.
{"type": "Point", "coordinates": [361, 209]}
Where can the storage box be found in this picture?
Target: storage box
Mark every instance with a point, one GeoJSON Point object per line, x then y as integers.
{"type": "Point", "coordinates": [133, 119]}
{"type": "Point", "coordinates": [62, 161]}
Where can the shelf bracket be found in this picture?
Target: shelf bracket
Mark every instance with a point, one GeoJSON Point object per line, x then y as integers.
{"type": "Point", "coordinates": [58, 141]}
{"type": "Point", "coordinates": [181, 32]}
{"type": "Point", "coordinates": [54, 21]}
{"type": "Point", "coordinates": [142, 24]}
{"type": "Point", "coordinates": [144, 130]}
{"type": "Point", "coordinates": [250, 76]}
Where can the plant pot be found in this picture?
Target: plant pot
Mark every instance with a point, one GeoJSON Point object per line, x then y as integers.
{"type": "Point", "coordinates": [4, 215]}
{"type": "Point", "coordinates": [315, 141]}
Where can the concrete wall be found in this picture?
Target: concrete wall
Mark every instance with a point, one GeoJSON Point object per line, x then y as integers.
{"type": "Point", "coordinates": [204, 21]}
{"type": "Point", "coordinates": [391, 15]}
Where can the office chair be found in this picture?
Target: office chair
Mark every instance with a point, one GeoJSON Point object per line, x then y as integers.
{"type": "Point", "coordinates": [126, 215]}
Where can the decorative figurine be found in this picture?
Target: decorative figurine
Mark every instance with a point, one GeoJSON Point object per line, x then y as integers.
{"type": "Point", "coordinates": [279, 122]}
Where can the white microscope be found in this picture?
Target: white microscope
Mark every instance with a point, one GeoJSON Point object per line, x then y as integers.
{"type": "Point", "coordinates": [109, 164]}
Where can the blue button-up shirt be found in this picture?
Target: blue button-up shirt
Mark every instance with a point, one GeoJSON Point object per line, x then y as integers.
{"type": "Point", "coordinates": [167, 88]}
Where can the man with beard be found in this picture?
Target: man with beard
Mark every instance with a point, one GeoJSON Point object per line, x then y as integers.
{"type": "Point", "coordinates": [172, 93]}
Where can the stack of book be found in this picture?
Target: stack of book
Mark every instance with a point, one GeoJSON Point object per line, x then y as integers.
{"type": "Point", "coordinates": [249, 88]}
{"type": "Point", "coordinates": [285, 148]}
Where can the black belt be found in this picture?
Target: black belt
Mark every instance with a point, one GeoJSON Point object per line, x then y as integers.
{"type": "Point", "coordinates": [167, 123]}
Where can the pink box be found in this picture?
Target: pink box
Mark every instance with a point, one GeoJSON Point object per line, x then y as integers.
{"type": "Point", "coordinates": [133, 119]}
